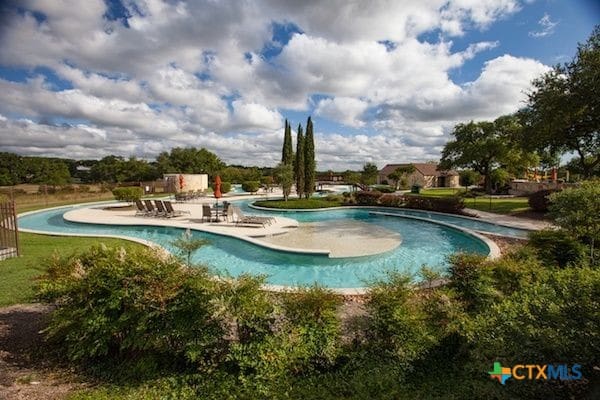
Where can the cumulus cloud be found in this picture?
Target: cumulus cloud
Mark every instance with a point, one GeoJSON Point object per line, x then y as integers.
{"type": "Point", "coordinates": [195, 74]}
{"type": "Point", "coordinates": [345, 110]}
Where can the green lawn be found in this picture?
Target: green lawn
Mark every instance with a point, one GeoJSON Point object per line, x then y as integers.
{"type": "Point", "coordinates": [298, 204]}
{"type": "Point", "coordinates": [17, 275]}
{"type": "Point", "coordinates": [508, 205]}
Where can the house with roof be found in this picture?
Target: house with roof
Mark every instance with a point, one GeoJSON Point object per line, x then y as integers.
{"type": "Point", "coordinates": [425, 175]}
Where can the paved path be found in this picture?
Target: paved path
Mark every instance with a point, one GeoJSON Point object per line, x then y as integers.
{"type": "Point", "coordinates": [516, 222]}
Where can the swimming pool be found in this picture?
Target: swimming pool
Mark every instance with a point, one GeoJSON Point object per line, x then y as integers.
{"type": "Point", "coordinates": [423, 243]}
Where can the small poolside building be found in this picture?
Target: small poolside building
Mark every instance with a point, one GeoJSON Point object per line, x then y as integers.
{"type": "Point", "coordinates": [425, 175]}
{"type": "Point", "coordinates": [177, 183]}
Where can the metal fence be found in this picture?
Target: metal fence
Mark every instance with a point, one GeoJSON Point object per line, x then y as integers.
{"type": "Point", "coordinates": [9, 234]}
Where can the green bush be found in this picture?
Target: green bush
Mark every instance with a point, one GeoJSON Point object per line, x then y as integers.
{"type": "Point", "coordinates": [338, 198]}
{"type": "Point", "coordinates": [129, 194]}
{"type": "Point", "coordinates": [384, 188]}
{"type": "Point", "coordinates": [251, 186]}
{"type": "Point", "coordinates": [557, 247]}
{"type": "Point", "coordinates": [577, 210]}
{"type": "Point", "coordinates": [225, 187]}
{"type": "Point", "coordinates": [126, 305]}
{"type": "Point", "coordinates": [470, 278]}
{"type": "Point", "coordinates": [364, 198]}
{"type": "Point", "coordinates": [540, 200]}
{"type": "Point", "coordinates": [311, 314]}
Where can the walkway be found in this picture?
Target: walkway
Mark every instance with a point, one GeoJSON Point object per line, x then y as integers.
{"type": "Point", "coordinates": [509, 220]}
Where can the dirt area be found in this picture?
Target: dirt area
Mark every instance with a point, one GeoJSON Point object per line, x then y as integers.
{"type": "Point", "coordinates": [506, 244]}
{"type": "Point", "coordinates": [24, 371]}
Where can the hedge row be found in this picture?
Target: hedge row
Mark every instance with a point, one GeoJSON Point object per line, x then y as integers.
{"type": "Point", "coordinates": [453, 205]}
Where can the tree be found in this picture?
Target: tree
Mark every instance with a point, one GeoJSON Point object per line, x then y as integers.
{"type": "Point", "coordinates": [481, 146]}
{"type": "Point", "coordinates": [563, 110]}
{"type": "Point", "coordinates": [284, 174]}
{"type": "Point", "coordinates": [500, 178]}
{"type": "Point", "coordinates": [468, 177]}
{"type": "Point", "coordinates": [287, 153]}
{"type": "Point", "coordinates": [189, 160]}
{"type": "Point", "coordinates": [299, 163]}
{"type": "Point", "coordinates": [351, 177]}
{"type": "Point", "coordinates": [369, 174]}
{"type": "Point", "coordinates": [400, 172]}
{"type": "Point", "coordinates": [577, 210]}
{"type": "Point", "coordinates": [310, 165]}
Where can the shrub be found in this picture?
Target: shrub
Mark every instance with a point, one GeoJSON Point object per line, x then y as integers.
{"type": "Point", "coordinates": [577, 210]}
{"type": "Point", "coordinates": [453, 204]}
{"type": "Point", "coordinates": [385, 188]}
{"type": "Point", "coordinates": [125, 305]}
{"type": "Point", "coordinates": [365, 198]}
{"type": "Point", "coordinates": [557, 247]}
{"type": "Point", "coordinates": [391, 200]}
{"type": "Point", "coordinates": [398, 326]}
{"type": "Point", "coordinates": [334, 198]}
{"type": "Point", "coordinates": [311, 314]}
{"type": "Point", "coordinates": [129, 194]}
{"type": "Point", "coordinates": [539, 201]}
{"type": "Point", "coordinates": [470, 278]}
{"type": "Point", "coordinates": [251, 186]}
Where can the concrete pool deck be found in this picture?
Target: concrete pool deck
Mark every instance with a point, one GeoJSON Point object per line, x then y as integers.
{"type": "Point", "coordinates": [333, 239]}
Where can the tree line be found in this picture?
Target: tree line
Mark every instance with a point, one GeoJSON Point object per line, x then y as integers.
{"type": "Point", "coordinates": [16, 169]}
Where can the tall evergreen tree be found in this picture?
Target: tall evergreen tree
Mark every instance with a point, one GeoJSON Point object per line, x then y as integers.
{"type": "Point", "coordinates": [309, 160]}
{"type": "Point", "coordinates": [287, 154]}
{"type": "Point", "coordinates": [299, 163]}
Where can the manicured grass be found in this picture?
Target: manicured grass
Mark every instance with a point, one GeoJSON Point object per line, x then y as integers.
{"type": "Point", "coordinates": [506, 205]}
{"type": "Point", "coordinates": [298, 204]}
{"type": "Point", "coordinates": [17, 275]}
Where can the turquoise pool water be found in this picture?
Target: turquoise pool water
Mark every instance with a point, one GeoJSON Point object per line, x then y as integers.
{"type": "Point", "coordinates": [467, 223]}
{"type": "Point", "coordinates": [423, 243]}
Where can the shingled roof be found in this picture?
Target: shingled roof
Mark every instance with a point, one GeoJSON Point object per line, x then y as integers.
{"type": "Point", "coordinates": [426, 169]}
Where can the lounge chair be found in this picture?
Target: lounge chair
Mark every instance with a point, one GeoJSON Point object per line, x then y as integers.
{"type": "Point", "coordinates": [162, 211]}
{"type": "Point", "coordinates": [241, 219]}
{"type": "Point", "coordinates": [152, 211]}
{"type": "Point", "coordinates": [171, 212]}
{"type": "Point", "coordinates": [141, 209]}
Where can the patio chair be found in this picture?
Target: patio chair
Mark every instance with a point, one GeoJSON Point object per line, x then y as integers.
{"type": "Point", "coordinates": [241, 219]}
{"type": "Point", "coordinates": [206, 212]}
{"type": "Point", "coordinates": [171, 212]}
{"type": "Point", "coordinates": [162, 211]}
{"type": "Point", "coordinates": [152, 211]}
{"type": "Point", "coordinates": [141, 210]}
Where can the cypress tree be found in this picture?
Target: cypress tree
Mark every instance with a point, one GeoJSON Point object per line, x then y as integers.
{"type": "Point", "coordinates": [299, 163]}
{"type": "Point", "coordinates": [309, 160]}
{"type": "Point", "coordinates": [287, 153]}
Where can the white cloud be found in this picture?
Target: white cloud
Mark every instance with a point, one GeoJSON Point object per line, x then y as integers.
{"type": "Point", "coordinates": [345, 110]}
{"type": "Point", "coordinates": [546, 27]}
{"type": "Point", "coordinates": [192, 73]}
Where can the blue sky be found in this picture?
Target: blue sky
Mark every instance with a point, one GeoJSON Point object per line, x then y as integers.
{"type": "Point", "coordinates": [382, 83]}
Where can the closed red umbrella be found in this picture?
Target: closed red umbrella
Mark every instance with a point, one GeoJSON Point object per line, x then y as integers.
{"type": "Point", "coordinates": [181, 183]}
{"type": "Point", "coordinates": [217, 193]}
